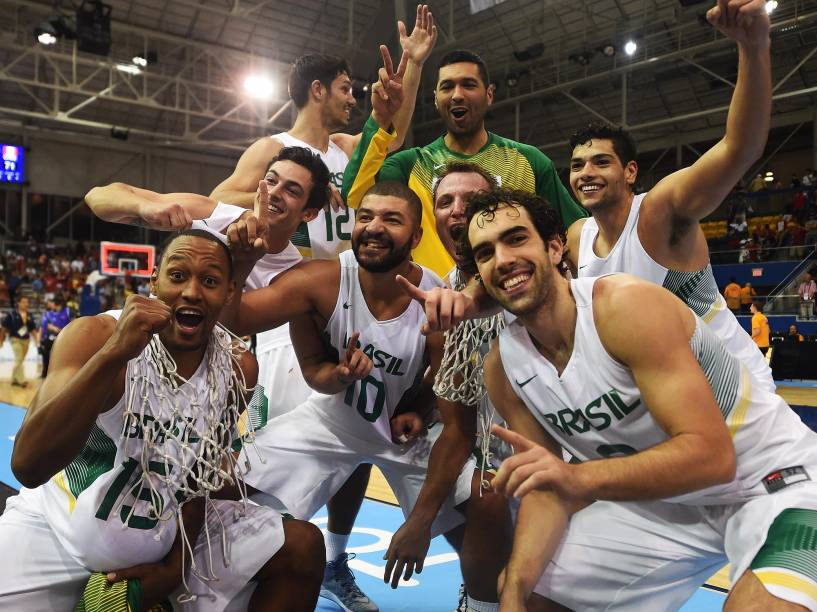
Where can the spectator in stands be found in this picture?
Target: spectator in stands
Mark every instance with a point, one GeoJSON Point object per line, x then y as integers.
{"type": "Point", "coordinates": [760, 328]}
{"type": "Point", "coordinates": [795, 181]}
{"type": "Point", "coordinates": [794, 335]}
{"type": "Point", "coordinates": [747, 296]}
{"type": "Point", "coordinates": [808, 180]}
{"type": "Point", "coordinates": [19, 325]}
{"type": "Point", "coordinates": [799, 203]}
{"type": "Point", "coordinates": [731, 294]}
{"type": "Point", "coordinates": [757, 184]}
{"type": "Point", "coordinates": [739, 228]}
{"type": "Point", "coordinates": [807, 292]}
{"type": "Point", "coordinates": [55, 318]}
{"type": "Point", "coordinates": [90, 303]}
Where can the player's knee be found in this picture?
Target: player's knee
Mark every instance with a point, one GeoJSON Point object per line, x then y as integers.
{"type": "Point", "coordinates": [488, 507]}
{"type": "Point", "coordinates": [304, 549]}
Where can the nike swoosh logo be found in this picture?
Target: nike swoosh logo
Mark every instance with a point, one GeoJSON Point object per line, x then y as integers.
{"type": "Point", "coordinates": [523, 383]}
{"type": "Point", "coordinates": [346, 306]}
{"type": "Point", "coordinates": [584, 266]}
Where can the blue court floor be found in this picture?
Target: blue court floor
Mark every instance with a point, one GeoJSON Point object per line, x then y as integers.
{"type": "Point", "coordinates": [435, 590]}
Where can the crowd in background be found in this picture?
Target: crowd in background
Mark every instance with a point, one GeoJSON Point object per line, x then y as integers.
{"type": "Point", "coordinates": [43, 287]}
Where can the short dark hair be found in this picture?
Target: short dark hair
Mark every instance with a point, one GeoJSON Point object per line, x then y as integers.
{"type": "Point", "coordinates": [544, 218]}
{"type": "Point", "coordinates": [463, 55]}
{"type": "Point", "coordinates": [313, 67]}
{"type": "Point", "coordinates": [400, 190]}
{"type": "Point", "coordinates": [623, 143]}
{"type": "Point", "coordinates": [196, 233]}
{"type": "Point", "coordinates": [458, 166]}
{"type": "Point", "coordinates": [319, 195]}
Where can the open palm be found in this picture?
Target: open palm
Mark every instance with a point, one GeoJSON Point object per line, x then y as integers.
{"type": "Point", "coordinates": [423, 37]}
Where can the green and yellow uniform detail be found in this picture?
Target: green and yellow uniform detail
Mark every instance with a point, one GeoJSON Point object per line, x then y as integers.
{"type": "Point", "coordinates": [515, 166]}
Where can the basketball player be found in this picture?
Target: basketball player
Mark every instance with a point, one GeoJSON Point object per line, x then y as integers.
{"type": "Point", "coordinates": [321, 89]}
{"type": "Point", "coordinates": [695, 461]}
{"type": "Point", "coordinates": [294, 190]}
{"type": "Point", "coordinates": [90, 506]}
{"type": "Point", "coordinates": [656, 236]}
{"type": "Point", "coordinates": [326, 437]}
{"type": "Point", "coordinates": [463, 95]}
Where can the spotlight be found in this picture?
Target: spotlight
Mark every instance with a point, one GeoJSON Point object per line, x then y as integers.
{"type": "Point", "coordinates": [56, 26]}
{"type": "Point", "coordinates": [365, 88]}
{"type": "Point", "coordinates": [512, 80]}
{"type": "Point", "coordinates": [258, 86]}
{"type": "Point", "coordinates": [607, 50]}
{"type": "Point", "coordinates": [46, 38]}
{"type": "Point", "coordinates": [630, 47]}
{"type": "Point", "coordinates": [770, 6]}
{"type": "Point", "coordinates": [143, 59]}
{"type": "Point", "coordinates": [128, 69]}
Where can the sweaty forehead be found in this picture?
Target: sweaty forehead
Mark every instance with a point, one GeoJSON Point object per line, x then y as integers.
{"type": "Point", "coordinates": [196, 251]}
{"type": "Point", "coordinates": [460, 70]}
{"type": "Point", "coordinates": [595, 146]}
{"type": "Point", "coordinates": [457, 182]}
{"type": "Point", "coordinates": [288, 170]}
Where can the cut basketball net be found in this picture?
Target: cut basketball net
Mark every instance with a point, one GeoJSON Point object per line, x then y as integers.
{"type": "Point", "coordinates": [186, 451]}
{"type": "Point", "coordinates": [460, 377]}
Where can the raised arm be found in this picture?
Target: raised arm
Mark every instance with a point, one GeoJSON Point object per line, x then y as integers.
{"type": "Point", "coordinates": [696, 191]}
{"type": "Point", "coordinates": [535, 541]}
{"type": "Point", "coordinates": [239, 188]}
{"type": "Point", "coordinates": [409, 546]}
{"type": "Point", "coordinates": [123, 203]}
{"type": "Point", "coordinates": [88, 351]}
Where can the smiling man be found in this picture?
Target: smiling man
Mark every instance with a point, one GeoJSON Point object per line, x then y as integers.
{"type": "Point", "coordinates": [692, 462]}
{"type": "Point", "coordinates": [120, 453]}
{"type": "Point", "coordinates": [656, 235]}
{"type": "Point", "coordinates": [349, 421]}
{"type": "Point", "coordinates": [462, 96]}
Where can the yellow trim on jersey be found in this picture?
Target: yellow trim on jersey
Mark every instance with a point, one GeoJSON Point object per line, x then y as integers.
{"type": "Point", "coordinates": [716, 308]}
{"type": "Point", "coordinates": [788, 581]}
{"type": "Point", "coordinates": [59, 480]}
{"type": "Point", "coordinates": [430, 252]}
{"type": "Point", "coordinates": [305, 252]}
{"type": "Point", "coordinates": [370, 165]}
{"type": "Point", "coordinates": [738, 416]}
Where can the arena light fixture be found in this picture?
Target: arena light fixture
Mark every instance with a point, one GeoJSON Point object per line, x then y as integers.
{"type": "Point", "coordinates": [140, 61]}
{"type": "Point", "coordinates": [46, 38]}
{"type": "Point", "coordinates": [770, 6]}
{"type": "Point", "coordinates": [259, 86]}
{"type": "Point", "coordinates": [630, 47]}
{"type": "Point", "coordinates": [128, 69]}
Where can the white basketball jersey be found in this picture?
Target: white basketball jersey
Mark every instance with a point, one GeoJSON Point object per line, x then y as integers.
{"type": "Point", "coordinates": [395, 346]}
{"type": "Point", "coordinates": [331, 231]}
{"type": "Point", "coordinates": [698, 289]}
{"type": "Point", "coordinates": [96, 506]}
{"type": "Point", "coordinates": [595, 411]}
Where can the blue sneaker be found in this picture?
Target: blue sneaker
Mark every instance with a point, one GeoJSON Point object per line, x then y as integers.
{"type": "Point", "coordinates": [339, 586]}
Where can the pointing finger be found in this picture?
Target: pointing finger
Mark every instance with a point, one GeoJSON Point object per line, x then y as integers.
{"type": "Point", "coordinates": [520, 443]}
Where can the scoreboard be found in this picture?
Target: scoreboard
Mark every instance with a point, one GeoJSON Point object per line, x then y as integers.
{"type": "Point", "coordinates": [12, 169]}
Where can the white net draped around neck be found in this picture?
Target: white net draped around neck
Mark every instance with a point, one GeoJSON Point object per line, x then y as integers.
{"type": "Point", "coordinates": [186, 452]}
{"type": "Point", "coordinates": [461, 377]}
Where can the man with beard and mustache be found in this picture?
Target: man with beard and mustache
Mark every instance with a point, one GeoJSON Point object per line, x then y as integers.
{"type": "Point", "coordinates": [358, 339]}
{"type": "Point", "coordinates": [462, 96]}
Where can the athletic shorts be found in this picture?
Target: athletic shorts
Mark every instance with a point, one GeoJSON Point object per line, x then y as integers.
{"type": "Point", "coordinates": [280, 374]}
{"type": "Point", "coordinates": [37, 573]}
{"type": "Point", "coordinates": [654, 555]}
{"type": "Point", "coordinates": [302, 458]}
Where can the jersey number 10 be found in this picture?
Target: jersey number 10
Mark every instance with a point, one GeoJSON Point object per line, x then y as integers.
{"type": "Point", "coordinates": [373, 413]}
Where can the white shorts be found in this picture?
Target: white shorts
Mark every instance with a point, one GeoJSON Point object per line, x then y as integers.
{"type": "Point", "coordinates": [654, 555]}
{"type": "Point", "coordinates": [280, 375]}
{"type": "Point", "coordinates": [307, 458]}
{"type": "Point", "coordinates": [36, 572]}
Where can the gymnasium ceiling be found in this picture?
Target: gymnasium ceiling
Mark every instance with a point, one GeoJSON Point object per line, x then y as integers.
{"type": "Point", "coordinates": [545, 57]}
